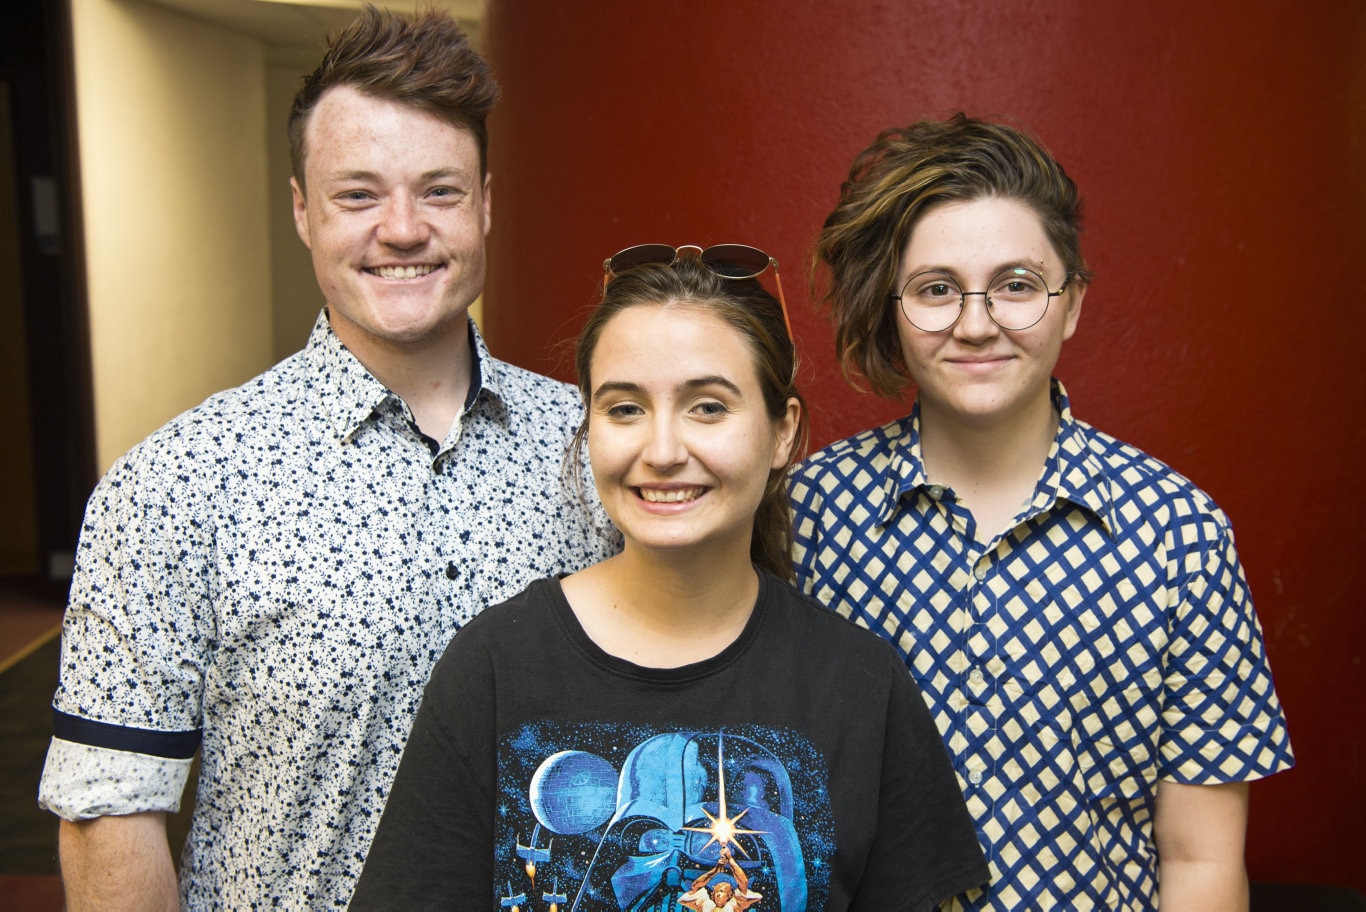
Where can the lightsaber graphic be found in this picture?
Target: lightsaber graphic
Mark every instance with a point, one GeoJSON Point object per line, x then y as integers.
{"type": "Point", "coordinates": [722, 828]}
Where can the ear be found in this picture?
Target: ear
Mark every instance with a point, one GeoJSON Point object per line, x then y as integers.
{"type": "Point", "coordinates": [785, 433]}
{"type": "Point", "coordinates": [1074, 299]}
{"type": "Point", "coordinates": [300, 212]}
{"type": "Point", "coordinates": [488, 203]}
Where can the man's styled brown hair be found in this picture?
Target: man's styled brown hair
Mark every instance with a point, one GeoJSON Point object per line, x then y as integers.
{"type": "Point", "coordinates": [425, 61]}
{"type": "Point", "coordinates": [906, 172]}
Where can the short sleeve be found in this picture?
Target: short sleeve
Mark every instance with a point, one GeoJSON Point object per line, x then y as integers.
{"type": "Point", "coordinates": [135, 640]}
{"type": "Point", "coordinates": [1222, 721]}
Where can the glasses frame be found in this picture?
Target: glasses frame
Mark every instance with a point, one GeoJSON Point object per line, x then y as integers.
{"type": "Point", "coordinates": [964, 295]}
{"type": "Point", "coordinates": [711, 258]}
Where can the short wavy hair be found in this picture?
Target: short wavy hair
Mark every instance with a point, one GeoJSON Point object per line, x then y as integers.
{"type": "Point", "coordinates": [894, 182]}
{"type": "Point", "coordinates": [424, 60]}
{"type": "Point", "coordinates": [747, 307]}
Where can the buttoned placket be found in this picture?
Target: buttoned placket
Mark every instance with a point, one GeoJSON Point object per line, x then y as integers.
{"type": "Point", "coordinates": [974, 648]}
{"type": "Point", "coordinates": [436, 555]}
{"type": "Point", "coordinates": [449, 560]}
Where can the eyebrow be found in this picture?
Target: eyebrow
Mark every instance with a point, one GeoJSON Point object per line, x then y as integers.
{"type": "Point", "coordinates": [1031, 265]}
{"type": "Point", "coordinates": [623, 386]}
{"type": "Point", "coordinates": [363, 175]}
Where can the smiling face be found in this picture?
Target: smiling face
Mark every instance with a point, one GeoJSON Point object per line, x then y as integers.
{"type": "Point", "coordinates": [976, 373]}
{"type": "Point", "coordinates": [679, 439]}
{"type": "Point", "coordinates": [395, 212]}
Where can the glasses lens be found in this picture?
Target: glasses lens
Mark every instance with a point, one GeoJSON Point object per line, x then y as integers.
{"type": "Point", "coordinates": [641, 254]}
{"type": "Point", "coordinates": [931, 301]}
{"type": "Point", "coordinates": [1018, 298]}
{"type": "Point", "coordinates": [735, 261]}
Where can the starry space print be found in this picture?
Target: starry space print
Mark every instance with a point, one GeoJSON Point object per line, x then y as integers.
{"type": "Point", "coordinates": [546, 774]}
{"type": "Point", "coordinates": [759, 792]}
{"type": "Point", "coordinates": [276, 571]}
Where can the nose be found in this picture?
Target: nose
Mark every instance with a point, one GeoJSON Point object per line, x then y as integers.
{"type": "Point", "coordinates": [664, 447]}
{"type": "Point", "coordinates": [401, 223]}
{"type": "Point", "coordinates": [975, 323]}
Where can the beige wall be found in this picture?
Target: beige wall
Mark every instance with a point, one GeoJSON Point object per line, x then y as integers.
{"type": "Point", "coordinates": [171, 125]}
{"type": "Point", "coordinates": [295, 290]}
{"type": "Point", "coordinates": [197, 279]}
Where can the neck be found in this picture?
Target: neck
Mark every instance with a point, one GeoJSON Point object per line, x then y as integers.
{"type": "Point", "coordinates": [431, 375]}
{"type": "Point", "coordinates": [992, 466]}
{"type": "Point", "coordinates": [662, 612]}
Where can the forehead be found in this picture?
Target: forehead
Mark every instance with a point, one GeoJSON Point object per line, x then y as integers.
{"type": "Point", "coordinates": [671, 344]}
{"type": "Point", "coordinates": [349, 125]}
{"type": "Point", "coordinates": [987, 233]}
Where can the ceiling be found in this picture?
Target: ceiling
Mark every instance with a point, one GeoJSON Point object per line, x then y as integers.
{"type": "Point", "coordinates": [296, 30]}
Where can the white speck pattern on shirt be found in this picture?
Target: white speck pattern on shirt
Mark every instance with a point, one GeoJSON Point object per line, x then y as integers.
{"type": "Point", "coordinates": [279, 569]}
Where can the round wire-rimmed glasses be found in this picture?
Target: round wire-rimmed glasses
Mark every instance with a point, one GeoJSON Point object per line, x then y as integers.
{"type": "Point", "coordinates": [1016, 298]}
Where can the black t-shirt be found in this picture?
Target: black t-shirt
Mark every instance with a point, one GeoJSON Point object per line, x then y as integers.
{"type": "Point", "coordinates": [541, 771]}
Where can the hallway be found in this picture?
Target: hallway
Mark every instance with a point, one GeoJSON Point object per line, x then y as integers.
{"type": "Point", "coordinates": [30, 620]}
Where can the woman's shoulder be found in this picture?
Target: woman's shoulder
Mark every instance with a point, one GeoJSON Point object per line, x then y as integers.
{"type": "Point", "coordinates": [518, 619]}
{"type": "Point", "coordinates": [825, 628]}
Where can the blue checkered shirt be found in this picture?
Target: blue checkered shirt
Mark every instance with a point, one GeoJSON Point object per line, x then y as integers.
{"type": "Point", "coordinates": [1106, 640]}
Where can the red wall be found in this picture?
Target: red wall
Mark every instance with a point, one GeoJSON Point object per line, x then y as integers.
{"type": "Point", "coordinates": [1220, 148]}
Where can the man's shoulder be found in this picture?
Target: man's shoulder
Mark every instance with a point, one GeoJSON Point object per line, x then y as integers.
{"type": "Point", "coordinates": [524, 391]}
{"type": "Point", "coordinates": [228, 420]}
{"type": "Point", "coordinates": [539, 413]}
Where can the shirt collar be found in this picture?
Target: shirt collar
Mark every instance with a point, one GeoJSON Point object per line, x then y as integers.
{"type": "Point", "coordinates": [1071, 472]}
{"type": "Point", "coordinates": [351, 394]}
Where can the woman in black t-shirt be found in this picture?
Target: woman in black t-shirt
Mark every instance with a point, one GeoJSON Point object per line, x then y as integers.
{"type": "Point", "coordinates": [676, 724]}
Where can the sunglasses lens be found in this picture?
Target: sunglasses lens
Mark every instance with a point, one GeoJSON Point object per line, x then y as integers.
{"type": "Point", "coordinates": [735, 261]}
{"type": "Point", "coordinates": [641, 254]}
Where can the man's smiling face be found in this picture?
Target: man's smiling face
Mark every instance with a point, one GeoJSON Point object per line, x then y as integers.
{"type": "Point", "coordinates": [395, 211]}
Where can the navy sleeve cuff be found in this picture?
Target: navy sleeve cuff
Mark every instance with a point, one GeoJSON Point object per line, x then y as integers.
{"type": "Point", "coordinates": [172, 745]}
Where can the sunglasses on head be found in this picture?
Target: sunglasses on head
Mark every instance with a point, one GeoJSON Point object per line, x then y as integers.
{"type": "Point", "coordinates": [729, 261]}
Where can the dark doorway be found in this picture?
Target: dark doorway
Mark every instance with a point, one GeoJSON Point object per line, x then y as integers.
{"type": "Point", "coordinates": [47, 469]}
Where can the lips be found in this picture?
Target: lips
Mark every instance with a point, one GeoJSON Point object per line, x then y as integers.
{"type": "Point", "coordinates": [980, 364]}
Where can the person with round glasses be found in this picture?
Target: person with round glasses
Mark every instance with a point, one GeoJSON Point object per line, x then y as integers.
{"type": "Point", "coordinates": [676, 726]}
{"type": "Point", "coordinates": [1073, 610]}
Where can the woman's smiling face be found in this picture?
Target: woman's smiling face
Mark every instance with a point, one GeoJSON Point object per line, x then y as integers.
{"type": "Point", "coordinates": [679, 439]}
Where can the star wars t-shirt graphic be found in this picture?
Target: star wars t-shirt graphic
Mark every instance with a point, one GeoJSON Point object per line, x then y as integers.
{"type": "Point", "coordinates": [649, 819]}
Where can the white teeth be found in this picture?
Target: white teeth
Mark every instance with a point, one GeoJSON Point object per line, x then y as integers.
{"type": "Point", "coordinates": [402, 272]}
{"type": "Point", "coordinates": [675, 496]}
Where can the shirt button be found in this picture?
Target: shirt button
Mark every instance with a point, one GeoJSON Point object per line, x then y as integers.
{"type": "Point", "coordinates": [451, 571]}
{"type": "Point", "coordinates": [980, 573]}
{"type": "Point", "coordinates": [975, 777]}
{"type": "Point", "coordinates": [975, 676]}
{"type": "Point", "coordinates": [937, 491]}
